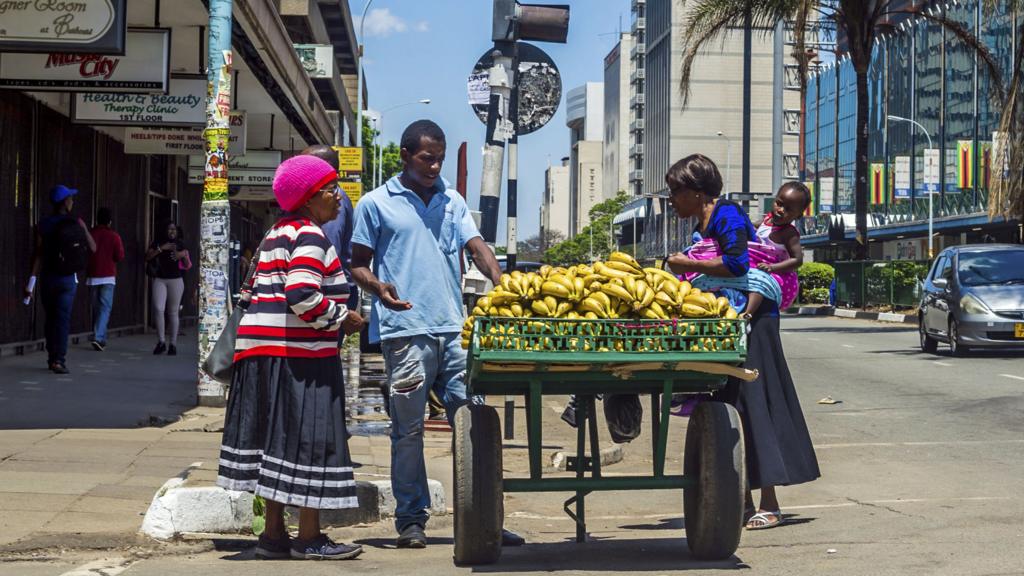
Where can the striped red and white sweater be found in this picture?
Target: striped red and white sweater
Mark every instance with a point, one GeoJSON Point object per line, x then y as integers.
{"type": "Point", "coordinates": [299, 293]}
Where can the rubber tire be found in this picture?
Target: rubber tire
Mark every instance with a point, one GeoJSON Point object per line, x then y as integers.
{"type": "Point", "coordinates": [479, 497]}
{"type": "Point", "coordinates": [716, 458]}
{"type": "Point", "coordinates": [929, 345]}
{"type": "Point", "coordinates": [956, 349]}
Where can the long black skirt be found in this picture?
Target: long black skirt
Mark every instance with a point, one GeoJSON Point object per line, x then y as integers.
{"type": "Point", "coordinates": [284, 433]}
{"type": "Point", "coordinates": [779, 449]}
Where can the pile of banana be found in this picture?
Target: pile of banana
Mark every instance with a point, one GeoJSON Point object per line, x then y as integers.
{"type": "Point", "coordinates": [616, 288]}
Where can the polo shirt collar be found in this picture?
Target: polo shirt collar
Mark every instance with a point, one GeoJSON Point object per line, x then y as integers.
{"type": "Point", "coordinates": [395, 186]}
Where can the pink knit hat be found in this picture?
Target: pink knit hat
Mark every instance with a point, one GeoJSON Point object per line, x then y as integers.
{"type": "Point", "coordinates": [298, 178]}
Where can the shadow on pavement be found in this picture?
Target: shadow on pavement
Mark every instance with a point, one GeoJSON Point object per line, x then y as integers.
{"type": "Point", "coordinates": [389, 543]}
{"type": "Point", "coordinates": [125, 386]}
{"type": "Point", "coordinates": [613, 555]}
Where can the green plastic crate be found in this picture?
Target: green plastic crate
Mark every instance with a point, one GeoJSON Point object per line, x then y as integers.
{"type": "Point", "coordinates": [620, 336]}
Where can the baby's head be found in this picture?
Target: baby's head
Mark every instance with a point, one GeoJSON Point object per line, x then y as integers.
{"type": "Point", "coordinates": [791, 201]}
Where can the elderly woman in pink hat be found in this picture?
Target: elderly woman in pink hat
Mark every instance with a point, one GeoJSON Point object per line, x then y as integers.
{"type": "Point", "coordinates": [284, 434]}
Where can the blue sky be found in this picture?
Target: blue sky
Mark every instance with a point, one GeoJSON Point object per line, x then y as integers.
{"type": "Point", "coordinates": [417, 49]}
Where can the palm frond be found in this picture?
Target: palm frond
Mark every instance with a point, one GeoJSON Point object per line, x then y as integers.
{"type": "Point", "coordinates": [1006, 198]}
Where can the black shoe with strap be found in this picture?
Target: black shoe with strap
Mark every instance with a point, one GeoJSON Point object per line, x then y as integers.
{"type": "Point", "coordinates": [270, 549]}
{"type": "Point", "coordinates": [323, 548]}
{"type": "Point", "coordinates": [160, 348]}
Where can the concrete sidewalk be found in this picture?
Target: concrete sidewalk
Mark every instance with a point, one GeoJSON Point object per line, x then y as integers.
{"type": "Point", "coordinates": [82, 456]}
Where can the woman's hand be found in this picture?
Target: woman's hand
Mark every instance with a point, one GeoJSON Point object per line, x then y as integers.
{"type": "Point", "coordinates": [766, 267]}
{"type": "Point", "coordinates": [679, 263]}
{"type": "Point", "coordinates": [167, 247]}
{"type": "Point", "coordinates": [352, 323]}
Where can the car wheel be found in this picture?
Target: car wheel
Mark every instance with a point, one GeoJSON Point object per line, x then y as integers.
{"type": "Point", "coordinates": [928, 344]}
{"type": "Point", "coordinates": [955, 347]}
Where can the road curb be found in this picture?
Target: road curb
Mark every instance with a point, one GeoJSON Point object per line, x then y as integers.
{"type": "Point", "coordinates": [853, 314]}
{"type": "Point", "coordinates": [178, 509]}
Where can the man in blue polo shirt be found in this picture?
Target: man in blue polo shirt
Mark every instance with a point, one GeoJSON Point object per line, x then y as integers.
{"type": "Point", "coordinates": [412, 229]}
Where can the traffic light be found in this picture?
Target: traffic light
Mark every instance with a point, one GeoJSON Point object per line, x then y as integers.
{"type": "Point", "coordinates": [540, 22]}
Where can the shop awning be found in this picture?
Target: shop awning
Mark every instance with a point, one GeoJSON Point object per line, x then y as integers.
{"type": "Point", "coordinates": [634, 210]}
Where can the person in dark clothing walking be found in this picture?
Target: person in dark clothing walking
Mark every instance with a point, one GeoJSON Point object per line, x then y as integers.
{"type": "Point", "coordinates": [166, 264]}
{"type": "Point", "coordinates": [62, 249]}
{"type": "Point", "coordinates": [103, 275]}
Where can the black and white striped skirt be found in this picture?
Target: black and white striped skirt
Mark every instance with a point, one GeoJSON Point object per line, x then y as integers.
{"type": "Point", "coordinates": [284, 433]}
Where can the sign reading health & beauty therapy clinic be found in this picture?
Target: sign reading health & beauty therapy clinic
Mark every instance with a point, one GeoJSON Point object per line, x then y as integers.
{"type": "Point", "coordinates": [143, 67]}
{"type": "Point", "coordinates": [93, 26]}
{"type": "Point", "coordinates": [183, 105]}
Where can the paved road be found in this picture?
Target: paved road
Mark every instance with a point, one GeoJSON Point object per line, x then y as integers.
{"type": "Point", "coordinates": [922, 463]}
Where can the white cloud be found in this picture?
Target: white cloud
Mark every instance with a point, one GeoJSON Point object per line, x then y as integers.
{"type": "Point", "coordinates": [423, 26]}
{"type": "Point", "coordinates": [381, 22]}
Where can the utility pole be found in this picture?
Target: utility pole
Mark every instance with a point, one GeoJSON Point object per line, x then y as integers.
{"type": "Point", "coordinates": [215, 214]}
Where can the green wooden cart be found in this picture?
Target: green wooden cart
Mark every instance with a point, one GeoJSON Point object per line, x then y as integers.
{"type": "Point", "coordinates": [533, 358]}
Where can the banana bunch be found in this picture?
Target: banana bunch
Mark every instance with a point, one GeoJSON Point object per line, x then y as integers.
{"type": "Point", "coordinates": [616, 288]}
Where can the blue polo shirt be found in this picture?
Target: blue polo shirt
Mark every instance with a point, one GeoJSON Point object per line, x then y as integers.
{"type": "Point", "coordinates": [416, 248]}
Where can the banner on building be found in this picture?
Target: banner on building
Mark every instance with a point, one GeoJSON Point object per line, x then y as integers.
{"type": "Point", "coordinates": [876, 180]}
{"type": "Point", "coordinates": [144, 67]}
{"type": "Point", "coordinates": [965, 164]}
{"type": "Point", "coordinates": [826, 201]}
{"type": "Point", "coordinates": [350, 171]}
{"type": "Point", "coordinates": [902, 177]}
{"type": "Point", "coordinates": [985, 169]}
{"type": "Point", "coordinates": [183, 105]}
{"type": "Point", "coordinates": [810, 211]}
{"type": "Point", "coordinates": [931, 170]}
{"type": "Point", "coordinates": [317, 59]}
{"type": "Point", "coordinates": [89, 26]}
{"type": "Point", "coordinates": [181, 141]}
{"type": "Point", "coordinates": [256, 168]}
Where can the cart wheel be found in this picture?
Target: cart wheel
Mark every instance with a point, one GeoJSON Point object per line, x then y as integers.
{"type": "Point", "coordinates": [715, 459]}
{"type": "Point", "coordinates": [479, 505]}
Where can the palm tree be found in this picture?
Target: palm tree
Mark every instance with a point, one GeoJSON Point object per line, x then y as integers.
{"type": "Point", "coordinates": [862, 22]}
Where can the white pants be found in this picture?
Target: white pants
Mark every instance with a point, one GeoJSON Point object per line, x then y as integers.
{"type": "Point", "coordinates": [167, 300]}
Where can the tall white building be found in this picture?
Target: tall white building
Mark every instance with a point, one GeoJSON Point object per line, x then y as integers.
{"type": "Point", "coordinates": [554, 210]}
{"type": "Point", "coordinates": [712, 123]}
{"type": "Point", "coordinates": [616, 117]}
{"type": "Point", "coordinates": [584, 116]}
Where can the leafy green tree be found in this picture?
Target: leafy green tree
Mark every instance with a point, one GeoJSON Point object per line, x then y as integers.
{"type": "Point", "coordinates": [594, 242]}
{"type": "Point", "coordinates": [392, 163]}
{"type": "Point", "coordinates": [862, 22]}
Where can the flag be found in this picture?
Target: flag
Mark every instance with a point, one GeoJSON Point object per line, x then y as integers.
{"type": "Point", "coordinates": [814, 198]}
{"type": "Point", "coordinates": [965, 164]}
{"type": "Point", "coordinates": [879, 191]}
{"type": "Point", "coordinates": [986, 165]}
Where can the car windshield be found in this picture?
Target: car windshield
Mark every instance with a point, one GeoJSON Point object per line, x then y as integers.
{"type": "Point", "coordinates": [987, 268]}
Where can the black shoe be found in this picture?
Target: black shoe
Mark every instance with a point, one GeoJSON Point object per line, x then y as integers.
{"type": "Point", "coordinates": [412, 536]}
{"type": "Point", "coordinates": [160, 348]}
{"type": "Point", "coordinates": [323, 548]}
{"type": "Point", "coordinates": [172, 350]}
{"type": "Point", "coordinates": [59, 368]}
{"type": "Point", "coordinates": [510, 538]}
{"type": "Point", "coordinates": [98, 346]}
{"type": "Point", "coordinates": [267, 549]}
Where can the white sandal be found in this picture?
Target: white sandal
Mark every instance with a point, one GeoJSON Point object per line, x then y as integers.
{"type": "Point", "coordinates": [761, 520]}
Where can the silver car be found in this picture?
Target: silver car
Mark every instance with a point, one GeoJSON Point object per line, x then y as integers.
{"type": "Point", "coordinates": [973, 297]}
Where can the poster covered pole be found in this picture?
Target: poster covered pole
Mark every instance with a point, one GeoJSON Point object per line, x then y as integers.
{"type": "Point", "coordinates": [215, 212]}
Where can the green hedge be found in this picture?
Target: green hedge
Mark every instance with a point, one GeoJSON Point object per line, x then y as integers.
{"type": "Point", "coordinates": [815, 280]}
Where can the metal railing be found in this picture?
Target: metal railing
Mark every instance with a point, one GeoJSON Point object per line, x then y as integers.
{"type": "Point", "coordinates": [908, 211]}
{"type": "Point", "coordinates": [872, 283]}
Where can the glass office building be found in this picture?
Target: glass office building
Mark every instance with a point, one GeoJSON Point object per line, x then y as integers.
{"type": "Point", "coordinates": [919, 71]}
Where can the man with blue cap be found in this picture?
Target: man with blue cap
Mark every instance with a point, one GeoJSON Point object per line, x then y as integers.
{"type": "Point", "coordinates": [63, 246]}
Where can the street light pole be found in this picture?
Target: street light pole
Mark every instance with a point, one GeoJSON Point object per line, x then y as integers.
{"type": "Point", "coordinates": [359, 79]}
{"type": "Point", "coordinates": [379, 173]}
{"type": "Point", "coordinates": [728, 163]}
{"type": "Point", "coordinates": [931, 213]}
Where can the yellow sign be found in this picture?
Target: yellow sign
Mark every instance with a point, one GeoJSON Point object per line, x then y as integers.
{"type": "Point", "coordinates": [350, 158]}
{"type": "Point", "coordinates": [354, 190]}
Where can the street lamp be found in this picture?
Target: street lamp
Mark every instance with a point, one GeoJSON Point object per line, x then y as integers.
{"type": "Point", "coordinates": [379, 175]}
{"type": "Point", "coordinates": [728, 163]}
{"type": "Point", "coordinates": [931, 213]}
{"type": "Point", "coordinates": [359, 79]}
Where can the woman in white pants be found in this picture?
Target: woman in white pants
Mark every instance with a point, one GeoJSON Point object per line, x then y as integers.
{"type": "Point", "coordinates": [164, 260]}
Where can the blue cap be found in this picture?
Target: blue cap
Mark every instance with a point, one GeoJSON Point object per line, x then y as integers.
{"type": "Point", "coordinates": [59, 192]}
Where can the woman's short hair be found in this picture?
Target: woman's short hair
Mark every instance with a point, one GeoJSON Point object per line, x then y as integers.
{"type": "Point", "coordinates": [695, 172]}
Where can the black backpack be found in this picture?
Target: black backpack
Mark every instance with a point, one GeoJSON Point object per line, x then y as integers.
{"type": "Point", "coordinates": [69, 248]}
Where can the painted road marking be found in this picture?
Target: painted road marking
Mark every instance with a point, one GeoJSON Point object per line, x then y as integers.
{"type": "Point", "coordinates": [1012, 376]}
{"type": "Point", "coordinates": [847, 346]}
{"type": "Point", "coordinates": [894, 444]}
{"type": "Point", "coordinates": [946, 364]}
